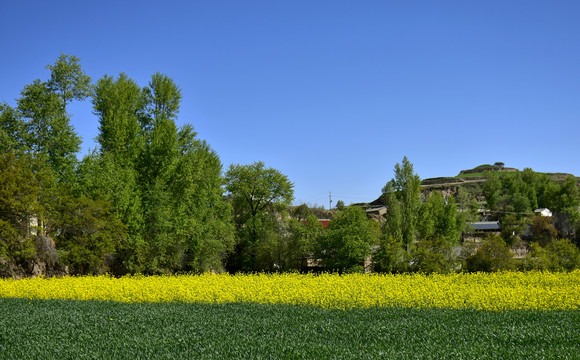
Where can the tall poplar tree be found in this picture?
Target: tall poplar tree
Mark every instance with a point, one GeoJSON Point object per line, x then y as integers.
{"type": "Point", "coordinates": [166, 183]}
{"type": "Point", "coordinates": [42, 105]}
{"type": "Point", "coordinates": [402, 194]}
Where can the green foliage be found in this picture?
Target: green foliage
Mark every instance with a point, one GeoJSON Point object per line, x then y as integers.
{"type": "Point", "coordinates": [394, 224]}
{"type": "Point", "coordinates": [163, 182]}
{"type": "Point", "coordinates": [512, 226]}
{"type": "Point", "coordinates": [402, 198]}
{"type": "Point", "coordinates": [257, 194]}
{"type": "Point", "coordinates": [492, 190]}
{"type": "Point", "coordinates": [467, 206]}
{"type": "Point", "coordinates": [162, 99]}
{"type": "Point", "coordinates": [42, 124]}
{"type": "Point", "coordinates": [434, 255]}
{"type": "Point", "coordinates": [23, 186]}
{"type": "Point", "coordinates": [88, 233]}
{"type": "Point", "coordinates": [514, 196]}
{"type": "Point", "coordinates": [538, 258]}
{"type": "Point", "coordinates": [391, 256]}
{"type": "Point", "coordinates": [438, 219]}
{"type": "Point", "coordinates": [118, 104]}
{"type": "Point", "coordinates": [301, 212]}
{"type": "Point", "coordinates": [33, 211]}
{"type": "Point", "coordinates": [542, 230]}
{"type": "Point", "coordinates": [48, 130]}
{"type": "Point", "coordinates": [492, 255]}
{"type": "Point", "coordinates": [527, 190]}
{"type": "Point", "coordinates": [348, 240]}
{"type": "Point", "coordinates": [68, 80]}
{"type": "Point", "coordinates": [303, 236]}
{"type": "Point", "coordinates": [565, 255]}
{"type": "Point", "coordinates": [558, 255]}
{"type": "Point", "coordinates": [12, 129]}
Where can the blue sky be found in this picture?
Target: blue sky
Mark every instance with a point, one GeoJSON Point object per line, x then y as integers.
{"type": "Point", "coordinates": [331, 93]}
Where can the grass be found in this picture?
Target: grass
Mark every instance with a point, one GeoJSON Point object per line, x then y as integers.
{"type": "Point", "coordinates": [65, 329]}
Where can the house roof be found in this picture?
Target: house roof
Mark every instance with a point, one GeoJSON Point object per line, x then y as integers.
{"type": "Point", "coordinates": [485, 225]}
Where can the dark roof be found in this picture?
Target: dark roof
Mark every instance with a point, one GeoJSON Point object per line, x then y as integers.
{"type": "Point", "coordinates": [485, 225]}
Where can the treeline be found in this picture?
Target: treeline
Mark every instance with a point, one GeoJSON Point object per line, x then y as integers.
{"type": "Point", "coordinates": [153, 198]}
{"type": "Point", "coordinates": [426, 234]}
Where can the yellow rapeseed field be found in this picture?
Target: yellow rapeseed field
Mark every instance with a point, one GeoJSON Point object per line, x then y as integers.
{"type": "Point", "coordinates": [496, 291]}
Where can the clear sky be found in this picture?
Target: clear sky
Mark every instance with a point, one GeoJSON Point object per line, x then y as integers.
{"type": "Point", "coordinates": [331, 93]}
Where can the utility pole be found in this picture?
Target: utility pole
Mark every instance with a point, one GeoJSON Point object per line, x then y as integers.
{"type": "Point", "coordinates": [329, 200]}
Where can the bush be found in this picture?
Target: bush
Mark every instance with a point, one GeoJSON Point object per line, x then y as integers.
{"type": "Point", "coordinates": [564, 255]}
{"type": "Point", "coordinates": [493, 255]}
{"type": "Point", "coordinates": [538, 258]}
{"type": "Point", "coordinates": [391, 257]}
{"type": "Point", "coordinates": [433, 256]}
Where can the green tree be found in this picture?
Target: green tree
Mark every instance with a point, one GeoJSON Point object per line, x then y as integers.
{"type": "Point", "coordinates": [100, 175]}
{"type": "Point", "coordinates": [566, 205]}
{"type": "Point", "coordinates": [493, 255]}
{"type": "Point", "coordinates": [48, 130]}
{"type": "Point", "coordinates": [492, 190]}
{"type": "Point", "coordinates": [537, 258]}
{"type": "Point", "coordinates": [304, 235]}
{"type": "Point", "coordinates": [87, 233]}
{"type": "Point", "coordinates": [201, 211]}
{"type": "Point", "coordinates": [392, 256]}
{"type": "Point", "coordinates": [165, 184]}
{"type": "Point", "coordinates": [42, 106]}
{"type": "Point", "coordinates": [348, 241]}
{"type": "Point", "coordinates": [118, 105]}
{"type": "Point", "coordinates": [22, 181]}
{"type": "Point", "coordinates": [512, 226]}
{"type": "Point", "coordinates": [68, 80]}
{"type": "Point", "coordinates": [467, 205]}
{"type": "Point", "coordinates": [301, 212]}
{"type": "Point", "coordinates": [12, 129]}
{"type": "Point", "coordinates": [257, 195]}
{"type": "Point", "coordinates": [405, 201]}
{"type": "Point", "coordinates": [542, 230]}
{"type": "Point", "coordinates": [433, 255]}
{"type": "Point", "coordinates": [565, 256]}
{"type": "Point", "coordinates": [162, 98]}
{"type": "Point", "coordinates": [438, 218]}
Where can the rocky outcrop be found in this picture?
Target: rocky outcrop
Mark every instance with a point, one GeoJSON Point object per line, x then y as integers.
{"type": "Point", "coordinates": [46, 262]}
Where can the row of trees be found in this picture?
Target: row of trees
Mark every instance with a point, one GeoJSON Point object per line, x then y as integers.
{"type": "Point", "coordinates": [424, 234]}
{"type": "Point", "coordinates": [149, 199]}
{"type": "Point", "coordinates": [153, 198]}
{"type": "Point", "coordinates": [512, 197]}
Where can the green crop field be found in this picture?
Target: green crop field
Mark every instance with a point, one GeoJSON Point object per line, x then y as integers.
{"type": "Point", "coordinates": [61, 329]}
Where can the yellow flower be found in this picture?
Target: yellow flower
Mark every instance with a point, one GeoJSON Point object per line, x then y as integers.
{"type": "Point", "coordinates": [501, 291]}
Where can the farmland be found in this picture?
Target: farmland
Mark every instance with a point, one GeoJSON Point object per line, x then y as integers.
{"type": "Point", "coordinates": [481, 291]}
{"type": "Point", "coordinates": [59, 329]}
{"type": "Point", "coordinates": [488, 316]}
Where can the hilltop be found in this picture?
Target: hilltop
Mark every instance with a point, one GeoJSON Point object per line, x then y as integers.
{"type": "Point", "coordinates": [471, 180]}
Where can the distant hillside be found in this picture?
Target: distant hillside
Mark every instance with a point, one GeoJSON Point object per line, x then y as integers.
{"type": "Point", "coordinates": [471, 179]}
{"type": "Point", "coordinates": [478, 174]}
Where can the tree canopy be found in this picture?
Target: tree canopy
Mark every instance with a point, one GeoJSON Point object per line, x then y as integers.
{"type": "Point", "coordinates": [153, 198]}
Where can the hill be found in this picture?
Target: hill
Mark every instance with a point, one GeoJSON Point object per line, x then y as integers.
{"type": "Point", "coordinates": [471, 180]}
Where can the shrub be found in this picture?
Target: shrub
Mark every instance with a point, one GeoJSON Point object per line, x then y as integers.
{"type": "Point", "coordinates": [433, 256]}
{"type": "Point", "coordinates": [391, 257]}
{"type": "Point", "coordinates": [493, 255]}
{"type": "Point", "coordinates": [564, 255]}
